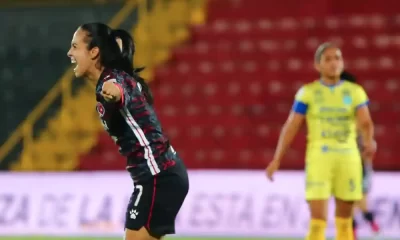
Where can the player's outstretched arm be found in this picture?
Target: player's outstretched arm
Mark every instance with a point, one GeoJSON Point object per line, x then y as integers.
{"type": "Point", "coordinates": [366, 128]}
{"type": "Point", "coordinates": [364, 122]}
{"type": "Point", "coordinates": [288, 132]}
{"type": "Point", "coordinates": [112, 91]}
{"type": "Point", "coordinates": [290, 129]}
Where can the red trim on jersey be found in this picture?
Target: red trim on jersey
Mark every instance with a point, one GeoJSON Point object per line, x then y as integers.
{"type": "Point", "coordinates": [142, 140]}
{"type": "Point", "coordinates": [150, 155]}
{"type": "Point", "coordinates": [152, 203]}
{"type": "Point", "coordinates": [121, 89]}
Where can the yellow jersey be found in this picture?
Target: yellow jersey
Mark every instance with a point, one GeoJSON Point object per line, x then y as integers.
{"type": "Point", "coordinates": [330, 114]}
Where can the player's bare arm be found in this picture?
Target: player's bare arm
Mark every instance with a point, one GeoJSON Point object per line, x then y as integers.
{"type": "Point", "coordinates": [288, 132]}
{"type": "Point", "coordinates": [366, 128]}
{"type": "Point", "coordinates": [111, 92]}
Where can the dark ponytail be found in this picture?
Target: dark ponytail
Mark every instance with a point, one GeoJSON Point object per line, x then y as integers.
{"type": "Point", "coordinates": [128, 51]}
{"type": "Point", "coordinates": [110, 56]}
{"type": "Point", "coordinates": [100, 35]}
{"type": "Point", "coordinates": [348, 77]}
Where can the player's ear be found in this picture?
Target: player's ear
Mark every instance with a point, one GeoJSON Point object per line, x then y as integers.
{"type": "Point", "coordinates": [94, 53]}
{"type": "Point", "coordinates": [317, 66]}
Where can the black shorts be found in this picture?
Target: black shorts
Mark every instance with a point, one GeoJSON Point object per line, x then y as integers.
{"type": "Point", "coordinates": [155, 203]}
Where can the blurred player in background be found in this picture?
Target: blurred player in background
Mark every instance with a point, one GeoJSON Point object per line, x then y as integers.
{"type": "Point", "coordinates": [105, 57]}
{"type": "Point", "coordinates": [334, 110]}
{"type": "Point", "coordinates": [366, 181]}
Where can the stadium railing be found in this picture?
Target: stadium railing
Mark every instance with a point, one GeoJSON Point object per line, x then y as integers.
{"type": "Point", "coordinates": [73, 131]}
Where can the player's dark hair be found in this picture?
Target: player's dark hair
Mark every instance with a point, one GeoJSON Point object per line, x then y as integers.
{"type": "Point", "coordinates": [110, 56]}
{"type": "Point", "coordinates": [128, 51]}
{"type": "Point", "coordinates": [321, 49]}
{"type": "Point", "coordinates": [348, 77]}
{"type": "Point", "coordinates": [100, 35]}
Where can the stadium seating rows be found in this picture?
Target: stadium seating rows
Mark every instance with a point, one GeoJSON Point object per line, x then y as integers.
{"type": "Point", "coordinates": [238, 76]}
{"type": "Point", "coordinates": [33, 47]}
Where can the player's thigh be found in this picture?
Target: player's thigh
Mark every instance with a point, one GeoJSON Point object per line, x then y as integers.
{"type": "Point", "coordinates": [343, 208]}
{"type": "Point", "coordinates": [156, 202]}
{"type": "Point", "coordinates": [318, 176]}
{"type": "Point", "coordinates": [172, 188]}
{"type": "Point", "coordinates": [141, 234]}
{"type": "Point", "coordinates": [363, 204]}
{"type": "Point", "coordinates": [347, 183]}
{"type": "Point", "coordinates": [140, 204]}
{"type": "Point", "coordinates": [318, 209]}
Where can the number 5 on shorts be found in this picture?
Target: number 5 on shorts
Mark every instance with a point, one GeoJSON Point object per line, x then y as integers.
{"type": "Point", "coordinates": [352, 186]}
{"type": "Point", "coordinates": [139, 195]}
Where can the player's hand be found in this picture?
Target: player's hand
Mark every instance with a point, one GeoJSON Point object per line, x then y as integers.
{"type": "Point", "coordinates": [273, 166]}
{"type": "Point", "coordinates": [111, 92]}
{"type": "Point", "coordinates": [369, 150]}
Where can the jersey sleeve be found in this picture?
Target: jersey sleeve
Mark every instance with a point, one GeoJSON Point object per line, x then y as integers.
{"type": "Point", "coordinates": [130, 91]}
{"type": "Point", "coordinates": [360, 97]}
{"type": "Point", "coordinates": [301, 101]}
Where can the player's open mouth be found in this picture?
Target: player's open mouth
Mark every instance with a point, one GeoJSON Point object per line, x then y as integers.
{"type": "Point", "coordinates": [73, 61]}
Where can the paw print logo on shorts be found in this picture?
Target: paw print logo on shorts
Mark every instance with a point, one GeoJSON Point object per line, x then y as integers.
{"type": "Point", "coordinates": [133, 214]}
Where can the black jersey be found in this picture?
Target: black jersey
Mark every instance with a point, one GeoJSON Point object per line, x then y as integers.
{"type": "Point", "coordinates": [132, 124]}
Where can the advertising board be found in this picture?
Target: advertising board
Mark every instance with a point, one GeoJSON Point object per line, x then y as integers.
{"type": "Point", "coordinates": [220, 203]}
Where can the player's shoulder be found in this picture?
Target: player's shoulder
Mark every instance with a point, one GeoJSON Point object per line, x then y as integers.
{"type": "Point", "coordinates": [351, 85]}
{"type": "Point", "coordinates": [305, 91]}
{"type": "Point", "coordinates": [117, 75]}
{"type": "Point", "coordinates": [309, 86]}
{"type": "Point", "coordinates": [121, 77]}
{"type": "Point", "coordinates": [107, 76]}
{"type": "Point", "coordinates": [314, 84]}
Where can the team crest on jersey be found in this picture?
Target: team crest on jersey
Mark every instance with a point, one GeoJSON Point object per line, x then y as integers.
{"type": "Point", "coordinates": [347, 97]}
{"type": "Point", "coordinates": [100, 109]}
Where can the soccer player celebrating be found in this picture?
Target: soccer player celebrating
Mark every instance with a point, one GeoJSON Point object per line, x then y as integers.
{"type": "Point", "coordinates": [124, 103]}
{"type": "Point", "coordinates": [334, 110]}
{"type": "Point", "coordinates": [366, 181]}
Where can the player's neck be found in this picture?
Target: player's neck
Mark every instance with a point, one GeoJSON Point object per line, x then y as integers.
{"type": "Point", "coordinates": [94, 75]}
{"type": "Point", "coordinates": [330, 81]}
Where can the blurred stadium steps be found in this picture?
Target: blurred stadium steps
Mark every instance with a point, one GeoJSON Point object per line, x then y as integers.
{"type": "Point", "coordinates": [241, 71]}
{"type": "Point", "coordinates": [29, 68]}
{"type": "Point", "coordinates": [33, 47]}
{"type": "Point", "coordinates": [71, 129]}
